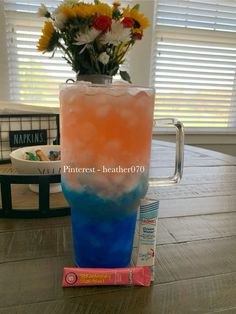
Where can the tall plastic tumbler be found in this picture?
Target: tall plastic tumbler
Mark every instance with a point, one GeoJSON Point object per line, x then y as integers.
{"type": "Point", "coordinates": [106, 133]}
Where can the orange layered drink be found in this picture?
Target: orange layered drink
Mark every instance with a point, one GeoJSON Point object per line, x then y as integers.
{"type": "Point", "coordinates": [106, 143]}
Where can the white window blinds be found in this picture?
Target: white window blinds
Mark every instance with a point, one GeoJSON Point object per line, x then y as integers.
{"type": "Point", "coordinates": [195, 63]}
{"type": "Point", "coordinates": [34, 78]}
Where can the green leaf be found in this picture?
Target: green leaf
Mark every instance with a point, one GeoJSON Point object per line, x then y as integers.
{"type": "Point", "coordinates": [125, 76]}
{"type": "Point", "coordinates": [32, 156]}
{"type": "Point", "coordinates": [96, 1]}
{"type": "Point", "coordinates": [114, 70]}
{"type": "Point", "coordinates": [116, 14]}
{"type": "Point", "coordinates": [136, 7]}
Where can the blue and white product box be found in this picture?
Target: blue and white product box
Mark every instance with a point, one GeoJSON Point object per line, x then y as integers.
{"type": "Point", "coordinates": [148, 217]}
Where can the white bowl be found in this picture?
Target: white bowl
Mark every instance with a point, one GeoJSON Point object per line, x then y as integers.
{"type": "Point", "coordinates": [23, 166]}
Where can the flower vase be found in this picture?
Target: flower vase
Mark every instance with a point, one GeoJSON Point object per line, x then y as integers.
{"type": "Point", "coordinates": [95, 78]}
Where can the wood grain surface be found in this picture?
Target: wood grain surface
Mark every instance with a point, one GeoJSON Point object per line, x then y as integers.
{"type": "Point", "coordinates": [196, 249]}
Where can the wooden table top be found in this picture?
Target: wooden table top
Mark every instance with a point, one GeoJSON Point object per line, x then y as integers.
{"type": "Point", "coordinates": [196, 250]}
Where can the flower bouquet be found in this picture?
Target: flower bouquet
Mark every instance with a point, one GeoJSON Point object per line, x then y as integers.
{"type": "Point", "coordinates": [94, 37]}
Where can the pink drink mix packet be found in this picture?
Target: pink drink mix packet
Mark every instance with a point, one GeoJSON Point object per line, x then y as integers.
{"type": "Point", "coordinates": [133, 276]}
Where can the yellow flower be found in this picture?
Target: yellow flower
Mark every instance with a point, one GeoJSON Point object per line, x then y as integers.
{"type": "Point", "coordinates": [49, 38]}
{"type": "Point", "coordinates": [70, 3]}
{"type": "Point", "coordinates": [68, 12]}
{"type": "Point", "coordinates": [140, 19]}
{"type": "Point", "coordinates": [81, 10]}
{"type": "Point", "coordinates": [102, 9]}
{"type": "Point", "coordinates": [84, 10]}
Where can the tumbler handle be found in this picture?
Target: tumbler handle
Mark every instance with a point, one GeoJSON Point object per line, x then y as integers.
{"type": "Point", "coordinates": [179, 156]}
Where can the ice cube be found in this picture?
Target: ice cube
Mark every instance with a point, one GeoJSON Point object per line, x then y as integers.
{"type": "Point", "coordinates": [113, 145]}
{"type": "Point", "coordinates": [126, 113]}
{"type": "Point", "coordinates": [103, 110]}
